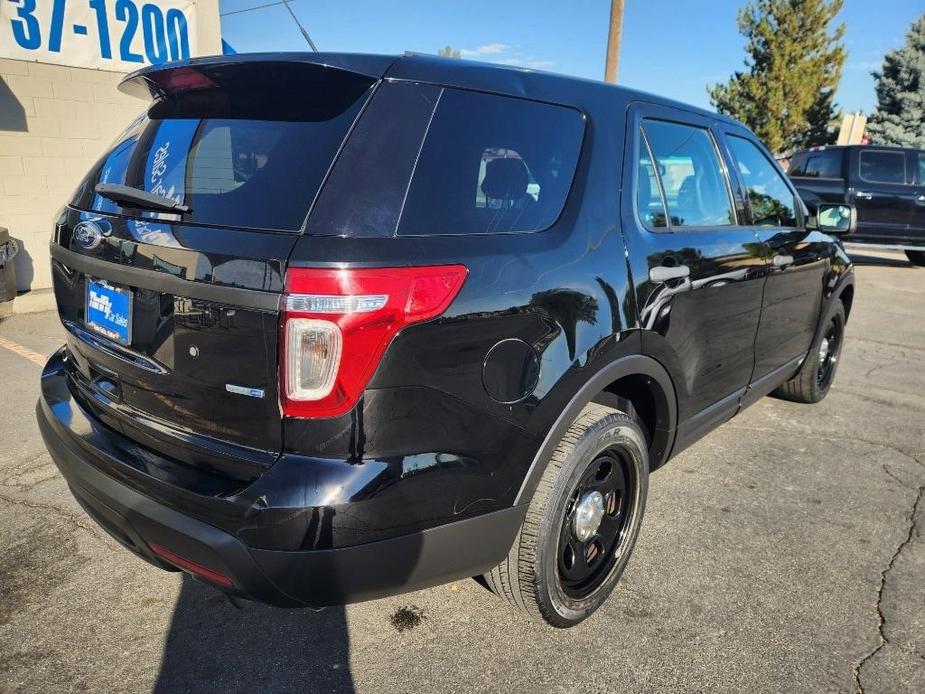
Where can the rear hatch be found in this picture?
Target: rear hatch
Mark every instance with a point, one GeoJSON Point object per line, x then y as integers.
{"type": "Point", "coordinates": [169, 262]}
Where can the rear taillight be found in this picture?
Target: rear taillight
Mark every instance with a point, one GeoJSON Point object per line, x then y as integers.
{"type": "Point", "coordinates": [337, 324]}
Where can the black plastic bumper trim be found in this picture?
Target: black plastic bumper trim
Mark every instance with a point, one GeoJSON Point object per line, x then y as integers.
{"type": "Point", "coordinates": [285, 578]}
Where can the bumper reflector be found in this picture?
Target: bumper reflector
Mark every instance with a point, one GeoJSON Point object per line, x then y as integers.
{"type": "Point", "coordinates": [191, 566]}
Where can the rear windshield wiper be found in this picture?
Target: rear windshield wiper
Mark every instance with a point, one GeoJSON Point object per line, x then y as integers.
{"type": "Point", "coordinates": [141, 199]}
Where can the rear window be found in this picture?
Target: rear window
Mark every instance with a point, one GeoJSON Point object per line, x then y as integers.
{"type": "Point", "coordinates": [426, 160]}
{"type": "Point", "coordinates": [822, 164]}
{"type": "Point", "coordinates": [240, 160]}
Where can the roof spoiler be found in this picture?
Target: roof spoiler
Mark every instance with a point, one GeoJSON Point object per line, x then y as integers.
{"type": "Point", "coordinates": [242, 71]}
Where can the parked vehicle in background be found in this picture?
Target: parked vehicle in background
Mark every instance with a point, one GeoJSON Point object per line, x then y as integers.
{"type": "Point", "coordinates": [343, 326]}
{"type": "Point", "coordinates": [885, 184]}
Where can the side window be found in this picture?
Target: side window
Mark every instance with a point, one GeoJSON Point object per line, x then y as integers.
{"type": "Point", "coordinates": [492, 164]}
{"type": "Point", "coordinates": [771, 200]}
{"type": "Point", "coordinates": [648, 196]}
{"type": "Point", "coordinates": [921, 160]}
{"type": "Point", "coordinates": [797, 165]}
{"type": "Point", "coordinates": [879, 166]}
{"type": "Point", "coordinates": [824, 164]}
{"type": "Point", "coordinates": [688, 167]}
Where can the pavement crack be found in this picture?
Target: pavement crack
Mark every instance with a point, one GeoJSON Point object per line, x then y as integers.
{"type": "Point", "coordinates": [882, 640]}
{"type": "Point", "coordinates": [834, 439]}
{"type": "Point", "coordinates": [70, 518]}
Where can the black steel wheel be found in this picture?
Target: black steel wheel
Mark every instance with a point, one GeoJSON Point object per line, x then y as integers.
{"type": "Point", "coordinates": [583, 520]}
{"type": "Point", "coordinates": [594, 524]}
{"type": "Point", "coordinates": [812, 382]}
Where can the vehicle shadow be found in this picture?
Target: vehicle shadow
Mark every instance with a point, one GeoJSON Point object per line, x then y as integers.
{"type": "Point", "coordinates": [863, 259]}
{"type": "Point", "coordinates": [214, 647]}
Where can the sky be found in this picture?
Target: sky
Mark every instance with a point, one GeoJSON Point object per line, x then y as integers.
{"type": "Point", "coordinates": [673, 49]}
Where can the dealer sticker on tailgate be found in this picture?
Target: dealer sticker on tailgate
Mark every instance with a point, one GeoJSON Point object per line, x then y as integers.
{"type": "Point", "coordinates": [109, 310]}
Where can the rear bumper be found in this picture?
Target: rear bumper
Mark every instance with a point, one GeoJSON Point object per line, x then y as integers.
{"type": "Point", "coordinates": [287, 578]}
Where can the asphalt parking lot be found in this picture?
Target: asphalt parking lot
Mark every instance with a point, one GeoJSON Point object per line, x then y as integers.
{"type": "Point", "coordinates": [784, 552]}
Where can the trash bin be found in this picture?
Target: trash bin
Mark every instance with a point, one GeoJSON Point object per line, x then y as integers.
{"type": "Point", "coordinates": [8, 250]}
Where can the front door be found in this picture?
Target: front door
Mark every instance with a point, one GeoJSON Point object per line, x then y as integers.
{"type": "Point", "coordinates": [698, 273]}
{"type": "Point", "coordinates": [798, 260]}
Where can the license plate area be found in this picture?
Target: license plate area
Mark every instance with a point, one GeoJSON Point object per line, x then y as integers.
{"type": "Point", "coordinates": [108, 310]}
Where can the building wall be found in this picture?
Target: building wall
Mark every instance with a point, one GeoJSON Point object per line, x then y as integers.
{"type": "Point", "coordinates": [55, 122]}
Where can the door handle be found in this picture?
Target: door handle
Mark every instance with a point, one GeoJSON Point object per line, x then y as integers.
{"type": "Point", "coordinates": [861, 195]}
{"type": "Point", "coordinates": [782, 260]}
{"type": "Point", "coordinates": [920, 200]}
{"type": "Point", "coordinates": [663, 273]}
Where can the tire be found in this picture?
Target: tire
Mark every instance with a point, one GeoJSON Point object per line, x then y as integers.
{"type": "Point", "coordinates": [813, 380]}
{"type": "Point", "coordinates": [916, 257]}
{"type": "Point", "coordinates": [602, 452]}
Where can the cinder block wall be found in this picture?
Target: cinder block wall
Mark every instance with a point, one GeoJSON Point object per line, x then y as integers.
{"type": "Point", "coordinates": [55, 122]}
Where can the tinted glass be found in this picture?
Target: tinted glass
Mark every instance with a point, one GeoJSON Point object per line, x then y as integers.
{"type": "Point", "coordinates": [771, 200]}
{"type": "Point", "coordinates": [797, 164]}
{"type": "Point", "coordinates": [692, 179]}
{"type": "Point", "coordinates": [366, 189]}
{"type": "Point", "coordinates": [824, 164]}
{"type": "Point", "coordinates": [883, 167]}
{"type": "Point", "coordinates": [492, 164]}
{"type": "Point", "coordinates": [921, 159]}
{"type": "Point", "coordinates": [648, 196]}
{"type": "Point", "coordinates": [257, 166]}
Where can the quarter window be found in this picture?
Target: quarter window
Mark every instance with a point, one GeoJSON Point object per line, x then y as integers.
{"type": "Point", "coordinates": [883, 167]}
{"type": "Point", "coordinates": [771, 200]}
{"type": "Point", "coordinates": [824, 164]}
{"type": "Point", "coordinates": [685, 162]}
{"type": "Point", "coordinates": [491, 164]}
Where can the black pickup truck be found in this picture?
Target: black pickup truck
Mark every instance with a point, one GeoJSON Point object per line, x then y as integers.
{"type": "Point", "coordinates": [885, 184]}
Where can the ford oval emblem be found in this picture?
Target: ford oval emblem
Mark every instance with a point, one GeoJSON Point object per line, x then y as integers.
{"type": "Point", "coordinates": [88, 235]}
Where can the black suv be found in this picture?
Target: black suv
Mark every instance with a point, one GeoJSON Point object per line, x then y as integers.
{"type": "Point", "coordinates": [340, 326]}
{"type": "Point", "coordinates": [885, 184]}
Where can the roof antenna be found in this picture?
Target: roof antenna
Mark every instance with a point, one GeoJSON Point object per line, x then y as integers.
{"type": "Point", "coordinates": [301, 28]}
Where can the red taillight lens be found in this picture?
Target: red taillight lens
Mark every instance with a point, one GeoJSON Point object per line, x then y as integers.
{"type": "Point", "coordinates": [183, 79]}
{"type": "Point", "coordinates": [191, 566]}
{"type": "Point", "coordinates": [337, 324]}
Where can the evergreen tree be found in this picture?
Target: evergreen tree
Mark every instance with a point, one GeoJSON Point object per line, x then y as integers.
{"type": "Point", "coordinates": [786, 94]}
{"type": "Point", "coordinates": [899, 118]}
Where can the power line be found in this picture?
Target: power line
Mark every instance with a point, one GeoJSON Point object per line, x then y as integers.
{"type": "Point", "coordinates": [251, 9]}
{"type": "Point", "coordinates": [285, 4]}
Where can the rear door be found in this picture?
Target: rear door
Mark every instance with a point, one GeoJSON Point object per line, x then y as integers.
{"type": "Point", "coordinates": [883, 194]}
{"type": "Point", "coordinates": [698, 272]}
{"type": "Point", "coordinates": [173, 317]}
{"type": "Point", "coordinates": [798, 259]}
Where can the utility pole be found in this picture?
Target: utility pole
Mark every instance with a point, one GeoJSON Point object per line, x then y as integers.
{"type": "Point", "coordinates": [613, 41]}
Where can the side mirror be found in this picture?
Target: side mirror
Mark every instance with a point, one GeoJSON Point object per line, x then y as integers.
{"type": "Point", "coordinates": [834, 219]}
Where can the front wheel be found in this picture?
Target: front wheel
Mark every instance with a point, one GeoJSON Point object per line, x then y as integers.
{"type": "Point", "coordinates": [815, 376]}
{"type": "Point", "coordinates": [582, 522]}
{"type": "Point", "coordinates": [916, 257]}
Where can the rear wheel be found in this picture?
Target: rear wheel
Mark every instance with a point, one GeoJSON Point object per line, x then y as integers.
{"type": "Point", "coordinates": [815, 377]}
{"type": "Point", "coordinates": [916, 257]}
{"type": "Point", "coordinates": [582, 522]}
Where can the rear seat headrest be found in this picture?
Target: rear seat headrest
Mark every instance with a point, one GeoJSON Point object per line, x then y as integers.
{"type": "Point", "coordinates": [505, 179]}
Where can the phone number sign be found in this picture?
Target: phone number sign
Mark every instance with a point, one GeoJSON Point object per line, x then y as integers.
{"type": "Point", "coordinates": [117, 35]}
